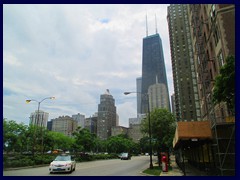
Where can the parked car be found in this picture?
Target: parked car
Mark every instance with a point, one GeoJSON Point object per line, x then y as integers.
{"type": "Point", "coordinates": [63, 163]}
{"type": "Point", "coordinates": [119, 155]}
{"type": "Point", "coordinates": [125, 156]}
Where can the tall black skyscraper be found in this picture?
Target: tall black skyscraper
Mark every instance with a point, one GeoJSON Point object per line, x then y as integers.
{"type": "Point", "coordinates": [152, 66]}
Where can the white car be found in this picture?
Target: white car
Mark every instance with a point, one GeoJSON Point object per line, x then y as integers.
{"type": "Point", "coordinates": [63, 163]}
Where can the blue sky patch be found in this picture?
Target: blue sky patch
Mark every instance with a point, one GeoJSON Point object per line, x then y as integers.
{"type": "Point", "coordinates": [104, 20]}
{"type": "Point", "coordinates": [7, 92]}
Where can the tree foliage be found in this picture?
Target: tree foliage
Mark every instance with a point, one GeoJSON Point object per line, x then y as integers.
{"type": "Point", "coordinates": [13, 135]}
{"type": "Point", "coordinates": [144, 144]}
{"type": "Point", "coordinates": [224, 88]}
{"type": "Point", "coordinates": [84, 140]}
{"type": "Point", "coordinates": [55, 140]}
{"type": "Point", "coordinates": [119, 144]}
{"type": "Point", "coordinates": [162, 127]}
{"type": "Point", "coordinates": [22, 138]}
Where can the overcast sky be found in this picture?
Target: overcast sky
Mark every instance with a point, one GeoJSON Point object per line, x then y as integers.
{"type": "Point", "coordinates": [74, 53]}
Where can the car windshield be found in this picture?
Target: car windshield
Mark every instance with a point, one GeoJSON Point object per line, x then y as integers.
{"type": "Point", "coordinates": [124, 154]}
{"type": "Point", "coordinates": [63, 158]}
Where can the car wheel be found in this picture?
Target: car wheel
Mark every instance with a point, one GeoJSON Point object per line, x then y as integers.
{"type": "Point", "coordinates": [71, 170]}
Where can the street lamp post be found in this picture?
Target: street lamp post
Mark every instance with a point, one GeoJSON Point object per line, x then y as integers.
{"type": "Point", "coordinates": [149, 126]}
{"type": "Point", "coordinates": [39, 102]}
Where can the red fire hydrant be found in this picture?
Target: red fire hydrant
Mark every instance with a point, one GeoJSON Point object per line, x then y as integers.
{"type": "Point", "coordinates": [164, 164]}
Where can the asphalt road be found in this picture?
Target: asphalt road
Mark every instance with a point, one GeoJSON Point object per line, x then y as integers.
{"type": "Point", "coordinates": [113, 167]}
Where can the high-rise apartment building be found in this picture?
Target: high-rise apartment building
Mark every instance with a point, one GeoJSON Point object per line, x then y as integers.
{"type": "Point", "coordinates": [39, 118]}
{"type": "Point", "coordinates": [106, 115]}
{"type": "Point", "coordinates": [153, 66]}
{"type": "Point", "coordinates": [184, 74]}
{"type": "Point", "coordinates": [213, 39]}
{"type": "Point", "coordinates": [211, 35]}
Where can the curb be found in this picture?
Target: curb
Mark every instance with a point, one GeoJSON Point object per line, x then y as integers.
{"type": "Point", "coordinates": [25, 167]}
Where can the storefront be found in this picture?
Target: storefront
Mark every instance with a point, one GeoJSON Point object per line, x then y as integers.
{"type": "Point", "coordinates": [192, 144]}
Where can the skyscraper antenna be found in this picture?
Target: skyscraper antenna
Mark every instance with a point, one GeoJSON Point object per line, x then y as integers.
{"type": "Point", "coordinates": [156, 22]}
{"type": "Point", "coordinates": [146, 25]}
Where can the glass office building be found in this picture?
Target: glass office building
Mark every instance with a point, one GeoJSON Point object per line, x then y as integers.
{"type": "Point", "coordinates": [153, 66]}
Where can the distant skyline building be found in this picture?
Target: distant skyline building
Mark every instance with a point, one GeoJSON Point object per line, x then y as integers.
{"type": "Point", "coordinates": [91, 124]}
{"type": "Point", "coordinates": [107, 116]}
{"type": "Point", "coordinates": [158, 96]}
{"type": "Point", "coordinates": [64, 124]}
{"type": "Point", "coordinates": [117, 120]}
{"type": "Point", "coordinates": [173, 103]}
{"type": "Point", "coordinates": [39, 120]}
{"type": "Point", "coordinates": [117, 130]}
{"type": "Point", "coordinates": [139, 96]}
{"type": "Point", "coordinates": [152, 65]}
{"type": "Point", "coordinates": [49, 125]}
{"type": "Point", "coordinates": [134, 132]}
{"type": "Point", "coordinates": [134, 121]}
{"type": "Point", "coordinates": [80, 118]}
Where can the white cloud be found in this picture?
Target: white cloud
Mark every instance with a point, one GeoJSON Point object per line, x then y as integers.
{"type": "Point", "coordinates": [75, 52]}
{"type": "Point", "coordinates": [127, 110]}
{"type": "Point", "coordinates": [11, 60]}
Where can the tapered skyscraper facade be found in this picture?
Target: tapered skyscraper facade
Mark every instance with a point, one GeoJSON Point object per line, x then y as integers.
{"type": "Point", "coordinates": [106, 115]}
{"type": "Point", "coordinates": [153, 66]}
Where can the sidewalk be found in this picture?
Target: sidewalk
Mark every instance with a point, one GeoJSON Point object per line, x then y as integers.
{"type": "Point", "coordinates": [193, 171]}
{"type": "Point", "coordinates": [176, 171]}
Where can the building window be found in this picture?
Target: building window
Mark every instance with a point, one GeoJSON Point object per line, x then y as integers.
{"type": "Point", "coordinates": [216, 35]}
{"type": "Point", "coordinates": [214, 66]}
{"type": "Point", "coordinates": [211, 74]}
{"type": "Point", "coordinates": [220, 59]}
{"type": "Point", "coordinates": [213, 13]}
{"type": "Point", "coordinates": [191, 114]}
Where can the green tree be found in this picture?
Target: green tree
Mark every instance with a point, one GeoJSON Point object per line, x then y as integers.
{"type": "Point", "coordinates": [84, 140]}
{"type": "Point", "coordinates": [224, 88]}
{"type": "Point", "coordinates": [14, 136]}
{"type": "Point", "coordinates": [163, 126]}
{"type": "Point", "coordinates": [56, 140]}
{"type": "Point", "coordinates": [144, 144]}
{"type": "Point", "coordinates": [120, 143]}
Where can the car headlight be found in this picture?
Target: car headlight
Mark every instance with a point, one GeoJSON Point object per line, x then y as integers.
{"type": "Point", "coordinates": [68, 164]}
